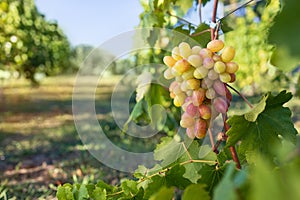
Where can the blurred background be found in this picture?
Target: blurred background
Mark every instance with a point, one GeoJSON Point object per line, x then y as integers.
{"type": "Point", "coordinates": [42, 45]}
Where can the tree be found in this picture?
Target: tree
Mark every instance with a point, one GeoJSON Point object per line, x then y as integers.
{"type": "Point", "coordinates": [29, 43]}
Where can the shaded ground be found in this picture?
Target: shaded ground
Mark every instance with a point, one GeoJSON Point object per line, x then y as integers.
{"type": "Point", "coordinates": [39, 146]}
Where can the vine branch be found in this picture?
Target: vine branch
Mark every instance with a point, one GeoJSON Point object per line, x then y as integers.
{"type": "Point", "coordinates": [213, 19]}
{"type": "Point", "coordinates": [241, 95]}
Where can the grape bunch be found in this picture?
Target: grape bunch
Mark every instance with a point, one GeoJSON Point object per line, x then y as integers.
{"type": "Point", "coordinates": [199, 87]}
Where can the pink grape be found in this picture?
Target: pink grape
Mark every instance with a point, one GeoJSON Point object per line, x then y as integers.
{"type": "Point", "coordinates": [198, 96]}
{"type": "Point", "coordinates": [192, 110]}
{"type": "Point", "coordinates": [200, 128]}
{"type": "Point", "coordinates": [187, 120]}
{"type": "Point", "coordinates": [204, 111]}
{"type": "Point", "coordinates": [220, 105]}
{"type": "Point", "coordinates": [208, 63]}
{"type": "Point", "coordinates": [219, 87]}
{"type": "Point", "coordinates": [190, 131]}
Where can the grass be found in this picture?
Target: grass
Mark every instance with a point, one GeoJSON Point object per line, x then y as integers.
{"type": "Point", "coordinates": [40, 148]}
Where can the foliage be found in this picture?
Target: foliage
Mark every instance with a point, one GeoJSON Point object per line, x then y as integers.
{"type": "Point", "coordinates": [29, 43]}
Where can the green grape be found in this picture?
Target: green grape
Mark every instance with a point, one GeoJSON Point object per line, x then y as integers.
{"type": "Point", "coordinates": [169, 61]}
{"type": "Point", "coordinates": [228, 54]}
{"type": "Point", "coordinates": [168, 74]}
{"type": "Point", "coordinates": [225, 77]}
{"type": "Point", "coordinates": [196, 50]}
{"type": "Point", "coordinates": [210, 93]}
{"type": "Point", "coordinates": [195, 60]}
{"type": "Point", "coordinates": [176, 54]}
{"type": "Point", "coordinates": [185, 50]}
{"type": "Point", "coordinates": [193, 84]}
{"type": "Point", "coordinates": [219, 67]}
{"type": "Point", "coordinates": [188, 74]}
{"type": "Point", "coordinates": [200, 72]}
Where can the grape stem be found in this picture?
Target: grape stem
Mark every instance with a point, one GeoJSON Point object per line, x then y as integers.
{"type": "Point", "coordinates": [241, 95]}
{"type": "Point", "coordinates": [181, 19]}
{"type": "Point", "coordinates": [213, 19]}
{"type": "Point", "coordinates": [234, 155]}
{"type": "Point", "coordinates": [241, 6]}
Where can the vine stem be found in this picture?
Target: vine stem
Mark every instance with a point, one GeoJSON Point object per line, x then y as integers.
{"type": "Point", "coordinates": [241, 95]}
{"type": "Point", "coordinates": [213, 19]}
{"type": "Point", "coordinates": [234, 155]}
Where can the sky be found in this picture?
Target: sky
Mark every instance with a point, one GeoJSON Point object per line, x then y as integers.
{"type": "Point", "coordinates": [91, 21]}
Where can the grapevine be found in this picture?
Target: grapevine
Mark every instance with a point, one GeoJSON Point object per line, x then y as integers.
{"type": "Point", "coordinates": [201, 76]}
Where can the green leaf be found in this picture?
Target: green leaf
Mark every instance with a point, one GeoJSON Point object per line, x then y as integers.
{"type": "Point", "coordinates": [195, 192]}
{"type": "Point", "coordinates": [284, 34]}
{"type": "Point", "coordinates": [263, 134]}
{"type": "Point", "coordinates": [169, 150]}
{"type": "Point", "coordinates": [129, 187]}
{"type": "Point", "coordinates": [225, 190]}
{"type": "Point", "coordinates": [152, 185]}
{"type": "Point", "coordinates": [252, 115]}
{"type": "Point", "coordinates": [65, 192]}
{"type": "Point", "coordinates": [163, 194]}
{"type": "Point", "coordinates": [174, 177]}
{"type": "Point", "coordinates": [98, 194]}
{"type": "Point", "coordinates": [103, 185]}
{"type": "Point", "coordinates": [204, 37]}
{"type": "Point", "coordinates": [211, 175]}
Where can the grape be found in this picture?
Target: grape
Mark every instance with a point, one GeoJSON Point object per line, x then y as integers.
{"type": "Point", "coordinates": [185, 49]}
{"type": "Point", "coordinates": [179, 79]}
{"type": "Point", "coordinates": [215, 45]}
{"type": "Point", "coordinates": [219, 67]}
{"type": "Point", "coordinates": [187, 120]}
{"type": "Point", "coordinates": [204, 111]}
{"type": "Point", "coordinates": [169, 61]}
{"type": "Point", "coordinates": [206, 83]}
{"type": "Point", "coordinates": [228, 94]}
{"type": "Point", "coordinates": [192, 110]}
{"type": "Point", "coordinates": [228, 54]}
{"type": "Point", "coordinates": [208, 63]}
{"type": "Point", "coordinates": [177, 89]}
{"type": "Point", "coordinates": [200, 72]}
{"type": "Point", "coordinates": [195, 60]}
{"type": "Point", "coordinates": [220, 105]}
{"type": "Point", "coordinates": [225, 77]}
{"type": "Point", "coordinates": [196, 50]}
{"type": "Point", "coordinates": [231, 67]}
{"type": "Point", "coordinates": [193, 84]}
{"type": "Point", "coordinates": [205, 53]}
{"type": "Point", "coordinates": [200, 128]}
{"type": "Point", "coordinates": [188, 74]}
{"type": "Point", "coordinates": [181, 66]}
{"type": "Point", "coordinates": [168, 74]}
{"type": "Point", "coordinates": [198, 96]}
{"type": "Point", "coordinates": [219, 87]}
{"type": "Point", "coordinates": [172, 86]}
{"type": "Point", "coordinates": [232, 78]}
{"type": "Point", "coordinates": [216, 58]}
{"type": "Point", "coordinates": [179, 99]}
{"type": "Point", "coordinates": [176, 54]}
{"type": "Point", "coordinates": [184, 86]}
{"type": "Point", "coordinates": [212, 75]}
{"type": "Point", "coordinates": [172, 95]}
{"type": "Point", "coordinates": [190, 132]}
{"type": "Point", "coordinates": [210, 93]}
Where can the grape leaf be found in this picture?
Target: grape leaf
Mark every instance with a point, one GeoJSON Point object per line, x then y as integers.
{"type": "Point", "coordinates": [174, 177]}
{"type": "Point", "coordinates": [129, 187]}
{"type": "Point", "coordinates": [168, 151]}
{"type": "Point", "coordinates": [152, 185]}
{"type": "Point", "coordinates": [204, 37]}
{"type": "Point", "coordinates": [284, 34]}
{"type": "Point", "coordinates": [225, 190]}
{"type": "Point", "coordinates": [163, 194]}
{"type": "Point", "coordinates": [98, 194]}
{"type": "Point", "coordinates": [195, 192]}
{"type": "Point", "coordinates": [262, 134]}
{"type": "Point", "coordinates": [65, 192]}
{"type": "Point", "coordinates": [254, 112]}
{"type": "Point", "coordinates": [211, 175]}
